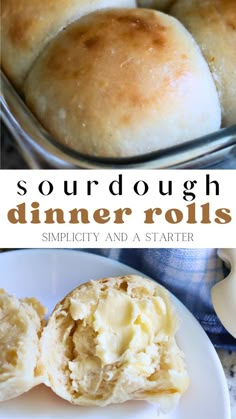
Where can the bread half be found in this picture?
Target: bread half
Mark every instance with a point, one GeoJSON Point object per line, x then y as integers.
{"type": "Point", "coordinates": [21, 322]}
{"type": "Point", "coordinates": [113, 340]}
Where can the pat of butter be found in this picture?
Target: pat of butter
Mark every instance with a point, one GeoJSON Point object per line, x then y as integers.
{"type": "Point", "coordinates": [124, 325]}
{"type": "Point", "coordinates": [116, 327]}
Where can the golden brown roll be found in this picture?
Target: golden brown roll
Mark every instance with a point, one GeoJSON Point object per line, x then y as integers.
{"type": "Point", "coordinates": [156, 4]}
{"type": "Point", "coordinates": [28, 25]}
{"type": "Point", "coordinates": [20, 330]}
{"type": "Point", "coordinates": [115, 341]}
{"type": "Point", "coordinates": [213, 24]}
{"type": "Point", "coordinates": [123, 82]}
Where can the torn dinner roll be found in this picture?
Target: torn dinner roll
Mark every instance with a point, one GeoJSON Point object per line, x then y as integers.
{"type": "Point", "coordinates": [114, 341]}
{"type": "Point", "coordinates": [121, 83]}
{"type": "Point", "coordinates": [21, 322]}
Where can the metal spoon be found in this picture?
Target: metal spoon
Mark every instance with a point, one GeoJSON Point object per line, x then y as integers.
{"type": "Point", "coordinates": [223, 294]}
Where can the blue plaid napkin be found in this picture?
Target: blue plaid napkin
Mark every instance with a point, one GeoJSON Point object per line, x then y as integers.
{"type": "Point", "coordinates": [189, 274]}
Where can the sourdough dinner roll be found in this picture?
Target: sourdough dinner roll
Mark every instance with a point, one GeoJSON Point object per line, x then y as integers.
{"type": "Point", "coordinates": [20, 329]}
{"type": "Point", "coordinates": [115, 341]}
{"type": "Point", "coordinates": [28, 25]}
{"type": "Point", "coordinates": [213, 24]}
{"type": "Point", "coordinates": [123, 82]}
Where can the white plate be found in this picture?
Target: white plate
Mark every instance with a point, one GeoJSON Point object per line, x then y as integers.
{"type": "Point", "coordinates": [49, 275]}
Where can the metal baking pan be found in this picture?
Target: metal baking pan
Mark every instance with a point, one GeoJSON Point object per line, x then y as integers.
{"type": "Point", "coordinates": [41, 151]}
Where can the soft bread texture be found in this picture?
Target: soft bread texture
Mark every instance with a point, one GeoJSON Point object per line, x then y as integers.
{"type": "Point", "coordinates": [20, 330]}
{"type": "Point", "coordinates": [115, 341]}
{"type": "Point", "coordinates": [156, 4]}
{"type": "Point", "coordinates": [123, 82]}
{"type": "Point", "coordinates": [28, 25]}
{"type": "Point", "coordinates": [213, 24]}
